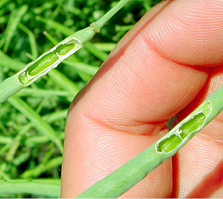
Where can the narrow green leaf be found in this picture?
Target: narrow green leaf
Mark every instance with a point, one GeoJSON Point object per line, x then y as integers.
{"type": "Point", "coordinates": [107, 47]}
{"type": "Point", "coordinates": [82, 67]}
{"type": "Point", "coordinates": [96, 52]}
{"type": "Point", "coordinates": [50, 188]}
{"type": "Point", "coordinates": [57, 26]}
{"type": "Point", "coordinates": [63, 82]}
{"type": "Point", "coordinates": [14, 20]}
{"type": "Point", "coordinates": [32, 40]}
{"type": "Point", "coordinates": [37, 171]}
{"type": "Point", "coordinates": [36, 119]}
{"type": "Point", "coordinates": [41, 92]}
{"type": "Point", "coordinates": [10, 63]}
{"type": "Point", "coordinates": [5, 140]}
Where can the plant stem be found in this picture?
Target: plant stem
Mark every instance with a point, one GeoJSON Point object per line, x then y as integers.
{"type": "Point", "coordinates": [45, 187]}
{"type": "Point", "coordinates": [122, 179]}
{"type": "Point", "coordinates": [103, 20]}
{"type": "Point", "coordinates": [9, 87]}
{"type": "Point", "coordinates": [55, 56]}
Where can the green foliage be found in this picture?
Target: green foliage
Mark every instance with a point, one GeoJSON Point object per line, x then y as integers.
{"type": "Point", "coordinates": [32, 123]}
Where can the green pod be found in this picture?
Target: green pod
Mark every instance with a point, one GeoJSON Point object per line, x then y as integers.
{"type": "Point", "coordinates": [186, 129]}
{"type": "Point", "coordinates": [63, 49]}
{"type": "Point", "coordinates": [38, 67]}
{"type": "Point", "coordinates": [48, 61]}
{"type": "Point", "coordinates": [42, 64]}
{"type": "Point", "coordinates": [55, 56]}
{"type": "Point", "coordinates": [125, 177]}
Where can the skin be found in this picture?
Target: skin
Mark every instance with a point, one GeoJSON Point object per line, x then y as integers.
{"type": "Point", "coordinates": [166, 65]}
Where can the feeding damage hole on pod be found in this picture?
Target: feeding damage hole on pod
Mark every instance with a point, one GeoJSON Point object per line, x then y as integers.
{"type": "Point", "coordinates": [188, 128]}
{"type": "Point", "coordinates": [169, 143]}
{"type": "Point", "coordinates": [37, 67]}
{"type": "Point", "coordinates": [63, 49]}
{"type": "Point", "coordinates": [47, 61]}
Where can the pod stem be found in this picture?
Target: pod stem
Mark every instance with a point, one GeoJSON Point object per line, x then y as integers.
{"type": "Point", "coordinates": [97, 25]}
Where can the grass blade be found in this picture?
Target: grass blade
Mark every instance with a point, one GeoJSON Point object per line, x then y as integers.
{"type": "Point", "coordinates": [57, 26]}
{"type": "Point", "coordinates": [32, 40]}
{"type": "Point", "coordinates": [50, 188]}
{"type": "Point", "coordinates": [10, 63]}
{"type": "Point", "coordinates": [82, 67]}
{"type": "Point", "coordinates": [95, 51]}
{"type": "Point", "coordinates": [65, 83]}
{"type": "Point", "coordinates": [36, 119]}
{"type": "Point", "coordinates": [14, 20]}
{"type": "Point", "coordinates": [37, 171]}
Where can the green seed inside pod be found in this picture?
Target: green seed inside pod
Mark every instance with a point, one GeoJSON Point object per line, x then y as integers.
{"type": "Point", "coordinates": [169, 144]}
{"type": "Point", "coordinates": [196, 122]}
{"type": "Point", "coordinates": [63, 49]}
{"type": "Point", "coordinates": [42, 64]}
{"type": "Point", "coordinates": [192, 125]}
{"type": "Point", "coordinates": [37, 67]}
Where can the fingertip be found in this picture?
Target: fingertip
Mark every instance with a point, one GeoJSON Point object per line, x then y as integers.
{"type": "Point", "coordinates": [189, 32]}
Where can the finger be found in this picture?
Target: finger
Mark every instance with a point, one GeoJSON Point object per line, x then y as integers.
{"type": "Point", "coordinates": [135, 92]}
{"type": "Point", "coordinates": [197, 33]}
{"type": "Point", "coordinates": [200, 162]}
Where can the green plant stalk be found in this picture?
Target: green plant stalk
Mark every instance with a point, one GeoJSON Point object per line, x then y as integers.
{"type": "Point", "coordinates": [9, 87]}
{"type": "Point", "coordinates": [45, 187]}
{"type": "Point", "coordinates": [32, 40]}
{"type": "Point", "coordinates": [14, 19]}
{"type": "Point", "coordinates": [38, 170]}
{"type": "Point", "coordinates": [55, 56]}
{"type": "Point", "coordinates": [125, 177]}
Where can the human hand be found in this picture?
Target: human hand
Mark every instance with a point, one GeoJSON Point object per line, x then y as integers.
{"type": "Point", "coordinates": [167, 64]}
